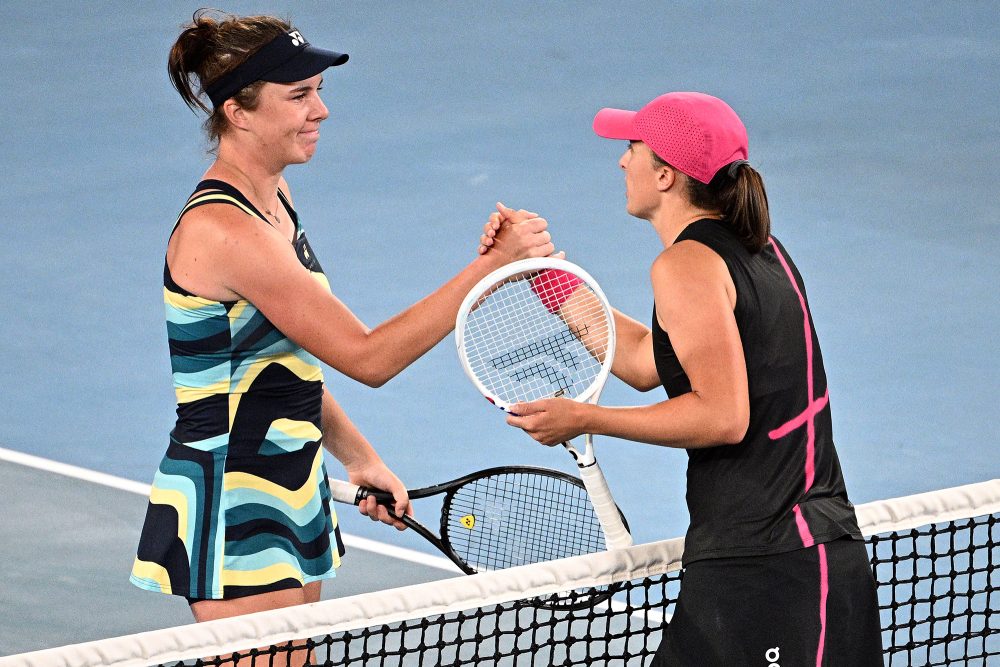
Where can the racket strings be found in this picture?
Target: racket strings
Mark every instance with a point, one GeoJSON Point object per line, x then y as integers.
{"type": "Point", "coordinates": [520, 351]}
{"type": "Point", "coordinates": [518, 518]}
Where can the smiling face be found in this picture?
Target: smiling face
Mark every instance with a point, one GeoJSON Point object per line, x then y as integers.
{"type": "Point", "coordinates": [285, 123]}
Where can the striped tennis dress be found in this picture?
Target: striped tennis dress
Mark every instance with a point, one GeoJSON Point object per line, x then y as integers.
{"type": "Point", "coordinates": [239, 504]}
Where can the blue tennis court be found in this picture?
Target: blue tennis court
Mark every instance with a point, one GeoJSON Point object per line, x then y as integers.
{"type": "Point", "coordinates": [875, 128]}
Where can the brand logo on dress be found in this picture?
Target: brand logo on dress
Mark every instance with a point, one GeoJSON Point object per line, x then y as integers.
{"type": "Point", "coordinates": [772, 656]}
{"type": "Point", "coordinates": [297, 38]}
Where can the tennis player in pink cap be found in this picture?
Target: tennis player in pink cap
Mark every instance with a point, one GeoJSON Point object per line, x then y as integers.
{"type": "Point", "coordinates": [776, 571]}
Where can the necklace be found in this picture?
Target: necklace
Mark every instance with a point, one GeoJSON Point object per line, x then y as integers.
{"type": "Point", "coordinates": [256, 194]}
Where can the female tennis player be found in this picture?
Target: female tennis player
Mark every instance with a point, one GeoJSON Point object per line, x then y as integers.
{"type": "Point", "coordinates": [239, 518]}
{"type": "Point", "coordinates": [776, 571]}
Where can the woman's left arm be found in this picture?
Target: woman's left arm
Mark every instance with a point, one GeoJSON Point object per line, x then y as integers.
{"type": "Point", "coordinates": [694, 297]}
{"type": "Point", "coordinates": [363, 464]}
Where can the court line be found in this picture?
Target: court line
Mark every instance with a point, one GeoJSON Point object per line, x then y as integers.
{"type": "Point", "coordinates": [122, 484]}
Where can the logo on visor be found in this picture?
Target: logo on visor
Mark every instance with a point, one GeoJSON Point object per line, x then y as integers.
{"type": "Point", "coordinates": [297, 38]}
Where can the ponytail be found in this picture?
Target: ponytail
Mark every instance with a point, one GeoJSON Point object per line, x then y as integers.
{"type": "Point", "coordinates": [188, 58]}
{"type": "Point", "coordinates": [737, 192]}
{"type": "Point", "coordinates": [742, 200]}
{"type": "Point", "coordinates": [212, 45]}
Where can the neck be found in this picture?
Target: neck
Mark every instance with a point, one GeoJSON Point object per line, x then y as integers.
{"type": "Point", "coordinates": [239, 166]}
{"type": "Point", "coordinates": [670, 221]}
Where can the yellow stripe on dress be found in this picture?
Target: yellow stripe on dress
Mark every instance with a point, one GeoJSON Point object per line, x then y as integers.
{"type": "Point", "coordinates": [261, 577]}
{"type": "Point", "coordinates": [303, 369]}
{"type": "Point", "coordinates": [149, 571]}
{"type": "Point", "coordinates": [294, 498]}
{"type": "Point", "coordinates": [296, 428]}
{"type": "Point", "coordinates": [219, 197]}
{"type": "Point", "coordinates": [237, 310]}
{"type": "Point", "coordinates": [192, 394]}
{"type": "Point", "coordinates": [186, 301]}
{"type": "Point", "coordinates": [177, 500]}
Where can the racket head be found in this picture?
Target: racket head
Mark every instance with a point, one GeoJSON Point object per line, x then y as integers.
{"type": "Point", "coordinates": [516, 515]}
{"type": "Point", "coordinates": [515, 349]}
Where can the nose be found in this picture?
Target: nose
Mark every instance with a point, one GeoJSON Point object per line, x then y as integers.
{"type": "Point", "coordinates": [320, 112]}
{"type": "Point", "coordinates": [623, 160]}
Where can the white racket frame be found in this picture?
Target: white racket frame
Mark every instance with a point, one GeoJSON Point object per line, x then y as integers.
{"type": "Point", "coordinates": [616, 535]}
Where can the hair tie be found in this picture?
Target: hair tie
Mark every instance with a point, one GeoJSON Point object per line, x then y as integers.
{"type": "Point", "coordinates": [735, 166]}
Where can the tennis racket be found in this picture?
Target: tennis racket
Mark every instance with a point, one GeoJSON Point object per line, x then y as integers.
{"type": "Point", "coordinates": [539, 328]}
{"type": "Point", "coordinates": [501, 517]}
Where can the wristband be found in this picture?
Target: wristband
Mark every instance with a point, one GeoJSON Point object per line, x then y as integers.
{"type": "Point", "coordinates": [554, 287]}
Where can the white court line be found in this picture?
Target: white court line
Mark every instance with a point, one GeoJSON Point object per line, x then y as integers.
{"type": "Point", "coordinates": [141, 489]}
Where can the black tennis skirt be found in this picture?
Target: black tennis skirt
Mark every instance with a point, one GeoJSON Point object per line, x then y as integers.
{"type": "Point", "coordinates": [814, 606]}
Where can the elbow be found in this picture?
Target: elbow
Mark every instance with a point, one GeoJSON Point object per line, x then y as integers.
{"type": "Point", "coordinates": [643, 383]}
{"type": "Point", "coordinates": [369, 369]}
{"type": "Point", "coordinates": [372, 381]}
{"type": "Point", "coordinates": [371, 375]}
{"type": "Point", "coordinates": [639, 381]}
{"type": "Point", "coordinates": [733, 435]}
{"type": "Point", "coordinates": [366, 362]}
{"type": "Point", "coordinates": [733, 430]}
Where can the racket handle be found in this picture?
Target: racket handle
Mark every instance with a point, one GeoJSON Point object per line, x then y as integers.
{"type": "Point", "coordinates": [352, 494]}
{"type": "Point", "coordinates": [616, 536]}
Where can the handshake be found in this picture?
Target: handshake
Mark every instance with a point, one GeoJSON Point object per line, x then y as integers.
{"type": "Point", "coordinates": [517, 233]}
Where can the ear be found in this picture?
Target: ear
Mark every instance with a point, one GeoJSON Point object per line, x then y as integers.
{"type": "Point", "coordinates": [665, 178]}
{"type": "Point", "coordinates": [235, 114]}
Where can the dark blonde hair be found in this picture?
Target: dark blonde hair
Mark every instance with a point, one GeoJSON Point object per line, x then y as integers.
{"type": "Point", "coordinates": [212, 45]}
{"type": "Point", "coordinates": [740, 198]}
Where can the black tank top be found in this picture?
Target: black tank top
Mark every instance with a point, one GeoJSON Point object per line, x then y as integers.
{"type": "Point", "coordinates": [781, 488]}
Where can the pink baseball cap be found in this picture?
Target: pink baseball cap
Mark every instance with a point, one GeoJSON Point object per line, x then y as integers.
{"type": "Point", "coordinates": [694, 132]}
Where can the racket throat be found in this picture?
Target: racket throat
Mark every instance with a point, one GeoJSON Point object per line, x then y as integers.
{"type": "Point", "coordinates": [581, 460]}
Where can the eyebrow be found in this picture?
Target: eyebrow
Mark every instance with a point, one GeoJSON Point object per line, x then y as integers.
{"type": "Point", "coordinates": [299, 89]}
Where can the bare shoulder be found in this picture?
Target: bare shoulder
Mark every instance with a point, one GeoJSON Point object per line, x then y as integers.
{"type": "Point", "coordinates": [688, 276]}
{"type": "Point", "coordinates": [219, 226]}
{"type": "Point", "coordinates": [215, 243]}
{"type": "Point", "coordinates": [687, 261]}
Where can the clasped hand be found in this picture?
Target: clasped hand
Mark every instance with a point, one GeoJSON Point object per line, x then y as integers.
{"type": "Point", "coordinates": [529, 229]}
{"type": "Point", "coordinates": [550, 421]}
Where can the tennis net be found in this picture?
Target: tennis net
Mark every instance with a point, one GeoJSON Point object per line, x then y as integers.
{"type": "Point", "coordinates": [935, 558]}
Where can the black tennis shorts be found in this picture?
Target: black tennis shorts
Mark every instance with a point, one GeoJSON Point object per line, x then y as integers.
{"type": "Point", "coordinates": [811, 607]}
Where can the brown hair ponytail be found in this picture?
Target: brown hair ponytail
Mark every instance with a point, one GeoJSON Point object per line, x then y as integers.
{"type": "Point", "coordinates": [737, 192]}
{"type": "Point", "coordinates": [742, 201]}
{"type": "Point", "coordinates": [213, 44]}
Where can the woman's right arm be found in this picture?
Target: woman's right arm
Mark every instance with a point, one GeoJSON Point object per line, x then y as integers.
{"type": "Point", "coordinates": [216, 249]}
{"type": "Point", "coordinates": [634, 364]}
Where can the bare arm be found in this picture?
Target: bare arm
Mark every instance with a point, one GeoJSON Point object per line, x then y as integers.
{"type": "Point", "coordinates": [363, 465]}
{"type": "Point", "coordinates": [694, 301]}
{"type": "Point", "coordinates": [634, 363]}
{"type": "Point", "coordinates": [219, 249]}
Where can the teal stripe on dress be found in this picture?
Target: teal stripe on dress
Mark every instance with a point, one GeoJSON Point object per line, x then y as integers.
{"type": "Point", "coordinates": [199, 370]}
{"type": "Point", "coordinates": [240, 500]}
{"type": "Point", "coordinates": [268, 557]}
{"type": "Point", "coordinates": [312, 528]}
{"type": "Point", "coordinates": [191, 323]}
{"type": "Point", "coordinates": [194, 472]}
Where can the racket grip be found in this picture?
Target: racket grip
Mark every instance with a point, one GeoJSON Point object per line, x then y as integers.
{"type": "Point", "coordinates": [352, 494]}
{"type": "Point", "coordinates": [554, 287]}
{"type": "Point", "coordinates": [616, 536]}
{"type": "Point", "coordinates": [344, 492]}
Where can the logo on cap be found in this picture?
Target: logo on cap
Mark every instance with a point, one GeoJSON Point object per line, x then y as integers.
{"type": "Point", "coordinates": [297, 38]}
